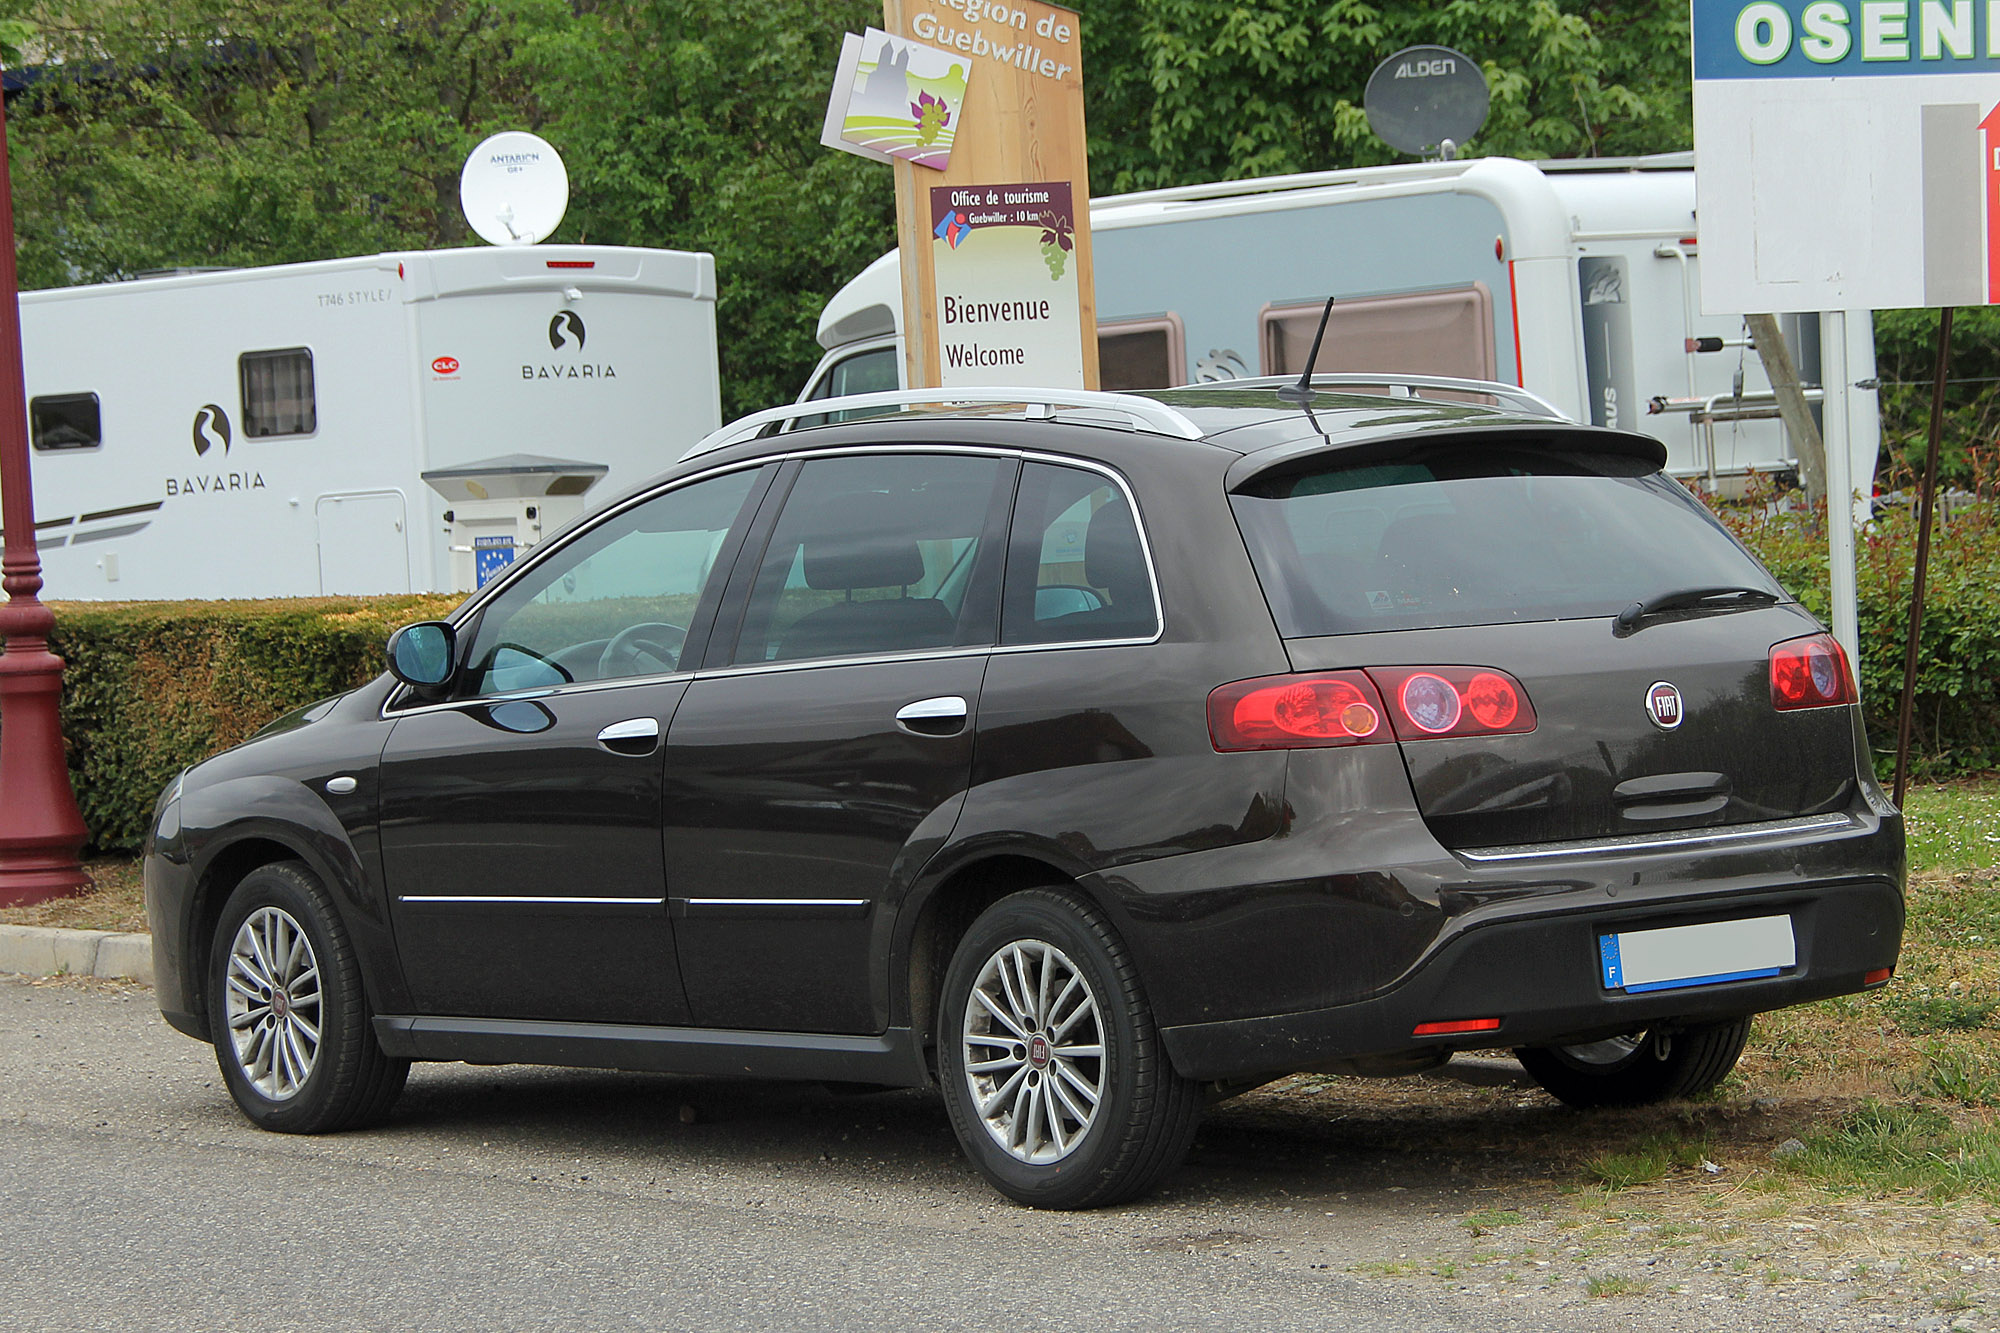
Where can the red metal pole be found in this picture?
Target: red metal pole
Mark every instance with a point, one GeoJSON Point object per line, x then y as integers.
{"type": "Point", "coordinates": [40, 826]}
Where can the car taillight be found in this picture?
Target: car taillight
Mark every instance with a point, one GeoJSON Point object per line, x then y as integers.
{"type": "Point", "coordinates": [1287, 712]}
{"type": "Point", "coordinates": [1427, 702]}
{"type": "Point", "coordinates": [1810, 673]}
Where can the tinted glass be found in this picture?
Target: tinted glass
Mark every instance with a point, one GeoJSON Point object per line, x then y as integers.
{"type": "Point", "coordinates": [278, 397]}
{"type": "Point", "coordinates": [873, 371]}
{"type": "Point", "coordinates": [615, 602]}
{"type": "Point", "coordinates": [1076, 569]}
{"type": "Point", "coordinates": [1477, 537]}
{"type": "Point", "coordinates": [878, 555]}
{"type": "Point", "coordinates": [65, 421]}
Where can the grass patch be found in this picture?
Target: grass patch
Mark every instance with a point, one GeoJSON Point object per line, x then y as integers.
{"type": "Point", "coordinates": [115, 901]}
{"type": "Point", "coordinates": [1648, 1160]}
{"type": "Point", "coordinates": [1954, 827]}
{"type": "Point", "coordinates": [1480, 1223]}
{"type": "Point", "coordinates": [1882, 1149]}
{"type": "Point", "coordinates": [1603, 1288]}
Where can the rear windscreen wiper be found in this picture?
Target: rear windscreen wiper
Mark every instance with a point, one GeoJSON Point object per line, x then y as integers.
{"type": "Point", "coordinates": [1683, 599]}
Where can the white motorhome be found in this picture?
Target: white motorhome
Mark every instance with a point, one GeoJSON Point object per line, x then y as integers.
{"type": "Point", "coordinates": [1576, 280]}
{"type": "Point", "coordinates": [389, 423]}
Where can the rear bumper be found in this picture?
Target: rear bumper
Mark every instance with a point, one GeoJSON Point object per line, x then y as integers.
{"type": "Point", "coordinates": [1539, 975]}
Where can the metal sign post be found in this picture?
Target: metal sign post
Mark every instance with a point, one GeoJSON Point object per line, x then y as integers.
{"type": "Point", "coordinates": [40, 826]}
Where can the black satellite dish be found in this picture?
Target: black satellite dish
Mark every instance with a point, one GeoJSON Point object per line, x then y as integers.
{"type": "Point", "coordinates": [1426, 99]}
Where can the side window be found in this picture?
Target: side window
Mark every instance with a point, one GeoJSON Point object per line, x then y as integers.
{"type": "Point", "coordinates": [879, 555]}
{"type": "Point", "coordinates": [278, 393]}
{"type": "Point", "coordinates": [1076, 569]}
{"type": "Point", "coordinates": [1445, 332]}
{"type": "Point", "coordinates": [65, 421]}
{"type": "Point", "coordinates": [615, 602]}
{"type": "Point", "coordinates": [872, 371]}
{"type": "Point", "coordinates": [1141, 354]}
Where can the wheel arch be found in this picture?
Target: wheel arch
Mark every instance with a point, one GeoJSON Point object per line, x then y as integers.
{"type": "Point", "coordinates": [947, 909]}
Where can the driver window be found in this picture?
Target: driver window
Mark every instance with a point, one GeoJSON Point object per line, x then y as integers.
{"type": "Point", "coordinates": [615, 602]}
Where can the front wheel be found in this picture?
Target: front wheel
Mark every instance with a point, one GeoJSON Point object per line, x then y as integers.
{"type": "Point", "coordinates": [1640, 1068]}
{"type": "Point", "coordinates": [1052, 1068]}
{"type": "Point", "coordinates": [286, 1008]}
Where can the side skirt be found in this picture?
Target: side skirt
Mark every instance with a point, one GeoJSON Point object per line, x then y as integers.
{"type": "Point", "coordinates": [891, 1059]}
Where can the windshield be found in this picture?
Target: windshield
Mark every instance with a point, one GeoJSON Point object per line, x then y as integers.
{"type": "Point", "coordinates": [1479, 535]}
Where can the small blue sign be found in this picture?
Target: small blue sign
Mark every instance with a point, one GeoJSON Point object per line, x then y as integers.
{"type": "Point", "coordinates": [1614, 968]}
{"type": "Point", "coordinates": [490, 558]}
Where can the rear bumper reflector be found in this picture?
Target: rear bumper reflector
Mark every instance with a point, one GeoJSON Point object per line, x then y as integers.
{"type": "Point", "coordinates": [1878, 976]}
{"type": "Point", "coordinates": [1460, 1025]}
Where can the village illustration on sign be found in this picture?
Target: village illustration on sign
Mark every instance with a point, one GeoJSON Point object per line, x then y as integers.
{"type": "Point", "coordinates": [903, 99]}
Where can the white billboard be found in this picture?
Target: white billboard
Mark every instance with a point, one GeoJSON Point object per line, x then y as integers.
{"type": "Point", "coordinates": [1847, 155]}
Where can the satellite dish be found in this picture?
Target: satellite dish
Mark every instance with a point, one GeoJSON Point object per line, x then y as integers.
{"type": "Point", "coordinates": [1426, 99]}
{"type": "Point", "coordinates": [513, 189]}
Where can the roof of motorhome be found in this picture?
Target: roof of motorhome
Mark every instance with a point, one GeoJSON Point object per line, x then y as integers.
{"type": "Point", "coordinates": [1548, 206]}
{"type": "Point", "coordinates": [462, 270]}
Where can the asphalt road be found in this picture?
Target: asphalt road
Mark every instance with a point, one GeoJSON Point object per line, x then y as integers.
{"type": "Point", "coordinates": [132, 1197]}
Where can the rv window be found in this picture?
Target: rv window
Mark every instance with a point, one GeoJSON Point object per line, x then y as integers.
{"type": "Point", "coordinates": [65, 421]}
{"type": "Point", "coordinates": [1447, 332]}
{"type": "Point", "coordinates": [1141, 354]}
{"type": "Point", "coordinates": [872, 371]}
{"type": "Point", "coordinates": [278, 393]}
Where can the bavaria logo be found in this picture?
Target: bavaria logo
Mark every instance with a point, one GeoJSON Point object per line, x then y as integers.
{"type": "Point", "coordinates": [445, 365]}
{"type": "Point", "coordinates": [211, 427]}
{"type": "Point", "coordinates": [1663, 705]}
{"type": "Point", "coordinates": [566, 319]}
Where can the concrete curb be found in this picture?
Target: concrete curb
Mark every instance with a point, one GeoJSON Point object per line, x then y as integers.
{"type": "Point", "coordinates": [44, 951]}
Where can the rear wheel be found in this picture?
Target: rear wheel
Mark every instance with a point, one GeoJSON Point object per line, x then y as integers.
{"type": "Point", "coordinates": [285, 1003]}
{"type": "Point", "coordinates": [1052, 1067]}
{"type": "Point", "coordinates": [1639, 1068]}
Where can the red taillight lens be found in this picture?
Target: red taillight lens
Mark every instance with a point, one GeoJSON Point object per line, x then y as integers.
{"type": "Point", "coordinates": [1810, 673]}
{"type": "Point", "coordinates": [1456, 1026]}
{"type": "Point", "coordinates": [1454, 701]}
{"type": "Point", "coordinates": [1284, 712]}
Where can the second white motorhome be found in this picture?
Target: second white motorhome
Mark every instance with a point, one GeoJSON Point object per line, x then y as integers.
{"type": "Point", "coordinates": [389, 423]}
{"type": "Point", "coordinates": [1576, 280]}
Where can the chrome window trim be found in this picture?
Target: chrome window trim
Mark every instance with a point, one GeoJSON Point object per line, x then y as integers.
{"type": "Point", "coordinates": [520, 899]}
{"type": "Point", "coordinates": [776, 902]}
{"type": "Point", "coordinates": [1766, 831]}
{"type": "Point", "coordinates": [478, 601]}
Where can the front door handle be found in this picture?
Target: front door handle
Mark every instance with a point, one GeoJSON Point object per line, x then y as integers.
{"type": "Point", "coordinates": [942, 716]}
{"type": "Point", "coordinates": [635, 736]}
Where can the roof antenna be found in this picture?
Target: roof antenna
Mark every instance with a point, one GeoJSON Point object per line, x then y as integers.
{"type": "Point", "coordinates": [1302, 392]}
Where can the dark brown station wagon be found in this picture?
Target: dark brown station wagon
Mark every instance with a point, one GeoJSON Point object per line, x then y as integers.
{"type": "Point", "coordinates": [1086, 757]}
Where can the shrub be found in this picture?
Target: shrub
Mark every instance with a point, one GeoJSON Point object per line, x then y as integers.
{"type": "Point", "coordinates": [150, 687]}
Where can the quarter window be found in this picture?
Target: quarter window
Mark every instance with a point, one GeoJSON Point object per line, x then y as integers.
{"type": "Point", "coordinates": [278, 396]}
{"type": "Point", "coordinates": [1447, 332]}
{"type": "Point", "coordinates": [1076, 569]}
{"type": "Point", "coordinates": [616, 602]}
{"type": "Point", "coordinates": [65, 421]}
{"type": "Point", "coordinates": [877, 556]}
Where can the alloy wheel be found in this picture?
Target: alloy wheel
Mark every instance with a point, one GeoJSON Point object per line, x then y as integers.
{"type": "Point", "coordinates": [273, 1002]}
{"type": "Point", "coordinates": [1034, 1051]}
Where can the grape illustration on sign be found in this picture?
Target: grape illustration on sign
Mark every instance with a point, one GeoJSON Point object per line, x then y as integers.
{"type": "Point", "coordinates": [904, 99]}
{"type": "Point", "coordinates": [1006, 292]}
{"type": "Point", "coordinates": [1847, 155]}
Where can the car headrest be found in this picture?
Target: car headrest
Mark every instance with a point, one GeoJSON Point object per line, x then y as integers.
{"type": "Point", "coordinates": [860, 547]}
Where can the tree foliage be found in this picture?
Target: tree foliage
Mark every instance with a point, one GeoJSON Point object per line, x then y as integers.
{"type": "Point", "coordinates": [229, 132]}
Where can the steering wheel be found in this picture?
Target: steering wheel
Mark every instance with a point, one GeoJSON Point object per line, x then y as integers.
{"type": "Point", "coordinates": [648, 648]}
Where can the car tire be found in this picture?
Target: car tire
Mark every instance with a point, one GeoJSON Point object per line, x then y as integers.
{"type": "Point", "coordinates": [1039, 983]}
{"type": "Point", "coordinates": [1641, 1068]}
{"type": "Point", "coordinates": [289, 1018]}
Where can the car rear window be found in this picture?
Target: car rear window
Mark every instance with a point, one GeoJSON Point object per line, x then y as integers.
{"type": "Point", "coordinates": [1478, 535]}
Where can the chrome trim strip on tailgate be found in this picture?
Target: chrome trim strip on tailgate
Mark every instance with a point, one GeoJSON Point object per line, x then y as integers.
{"type": "Point", "coordinates": [1661, 842]}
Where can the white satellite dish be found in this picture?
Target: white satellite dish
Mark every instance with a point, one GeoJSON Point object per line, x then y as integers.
{"type": "Point", "coordinates": [513, 188]}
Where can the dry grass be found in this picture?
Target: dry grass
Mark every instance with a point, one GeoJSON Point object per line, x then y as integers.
{"type": "Point", "coordinates": [115, 901]}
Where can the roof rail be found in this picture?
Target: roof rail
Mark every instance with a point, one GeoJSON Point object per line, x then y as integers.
{"type": "Point", "coordinates": [1400, 385]}
{"type": "Point", "coordinates": [1041, 404]}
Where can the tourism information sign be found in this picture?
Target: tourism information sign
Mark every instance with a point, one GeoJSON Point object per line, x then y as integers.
{"type": "Point", "coordinates": [1008, 308]}
{"type": "Point", "coordinates": [997, 285]}
{"type": "Point", "coordinates": [896, 99]}
{"type": "Point", "coordinates": [1847, 155]}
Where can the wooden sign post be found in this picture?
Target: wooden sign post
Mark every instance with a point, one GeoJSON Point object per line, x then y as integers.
{"type": "Point", "coordinates": [997, 283]}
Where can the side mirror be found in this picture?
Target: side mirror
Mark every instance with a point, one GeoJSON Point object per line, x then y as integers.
{"type": "Point", "coordinates": [424, 656]}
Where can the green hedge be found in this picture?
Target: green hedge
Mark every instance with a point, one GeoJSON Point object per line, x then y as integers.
{"type": "Point", "coordinates": [151, 687]}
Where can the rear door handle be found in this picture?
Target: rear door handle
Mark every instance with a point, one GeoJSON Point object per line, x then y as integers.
{"type": "Point", "coordinates": [942, 716]}
{"type": "Point", "coordinates": [635, 735]}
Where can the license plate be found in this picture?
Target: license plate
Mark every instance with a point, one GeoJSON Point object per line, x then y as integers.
{"type": "Point", "coordinates": [1636, 961]}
